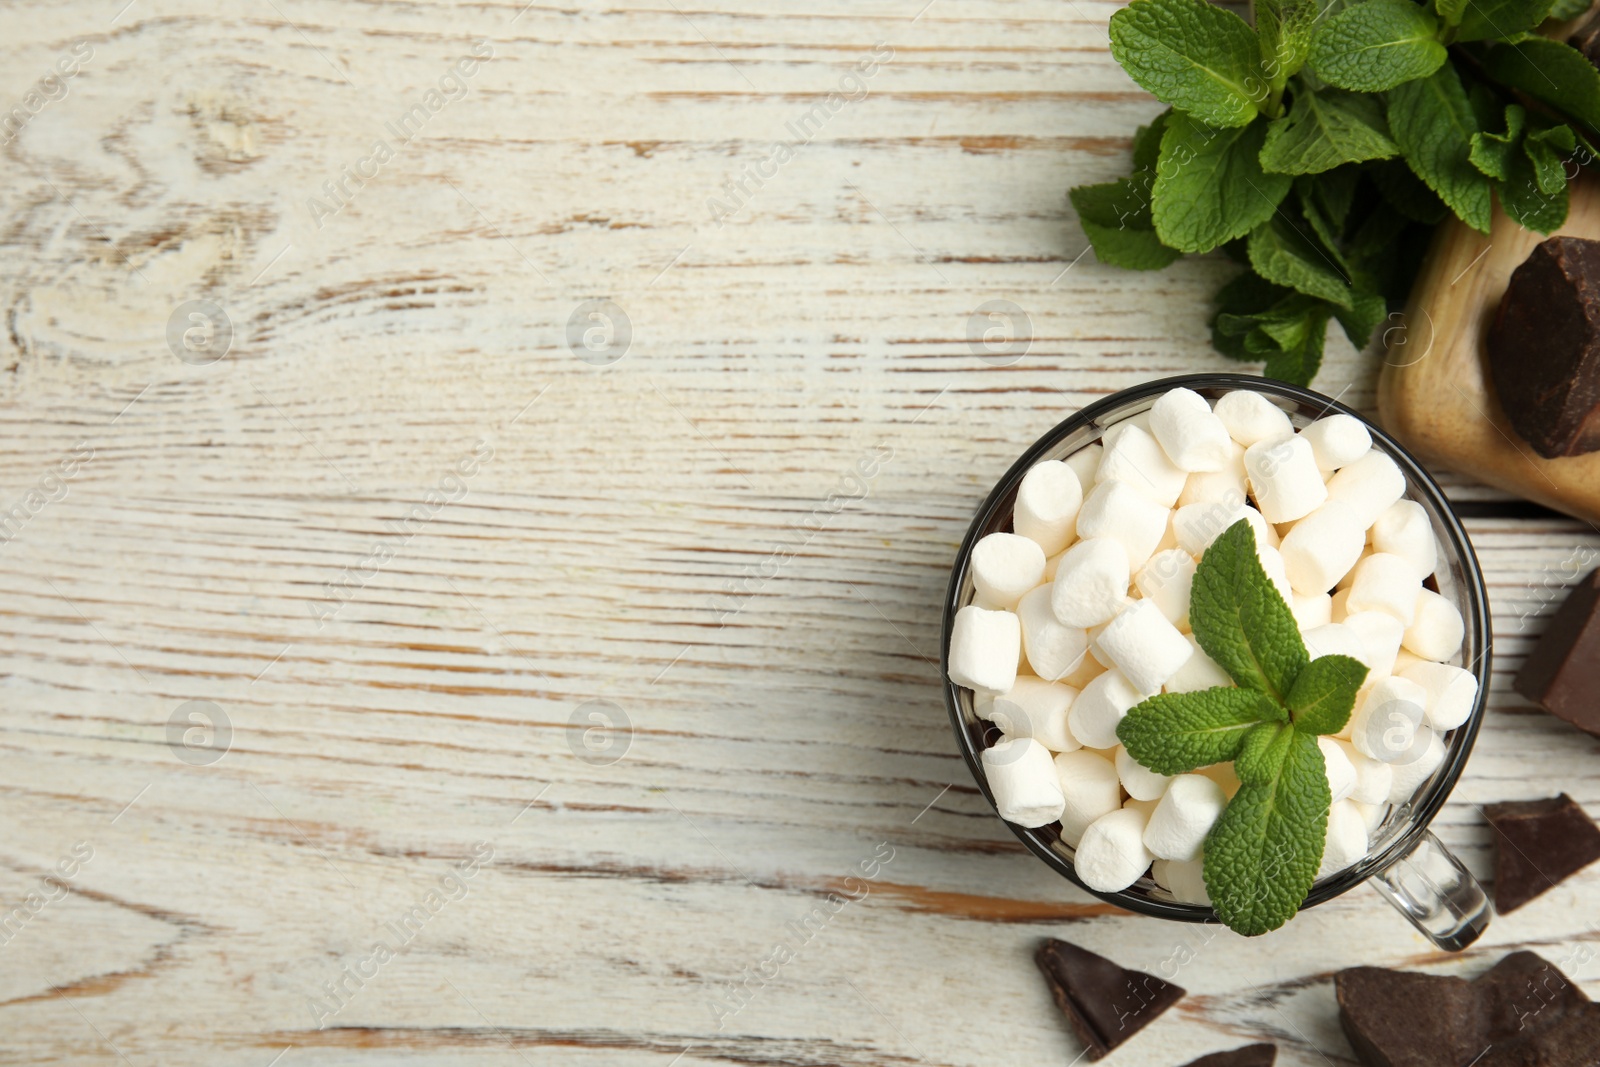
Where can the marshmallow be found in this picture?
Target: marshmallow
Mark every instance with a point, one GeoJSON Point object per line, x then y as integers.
{"type": "Point", "coordinates": [1409, 776]}
{"type": "Point", "coordinates": [1346, 841]}
{"type": "Point", "coordinates": [1004, 567]}
{"type": "Point", "coordinates": [1337, 441]}
{"type": "Point", "coordinates": [1198, 525]}
{"type": "Point", "coordinates": [1272, 562]}
{"type": "Point", "coordinates": [1380, 635]}
{"type": "Point", "coordinates": [1051, 565]}
{"type": "Point", "coordinates": [1337, 766]}
{"type": "Point", "coordinates": [1185, 881]}
{"type": "Point", "coordinates": [1116, 510]}
{"type": "Point", "coordinates": [1096, 653]}
{"type": "Point", "coordinates": [1198, 672]}
{"type": "Point", "coordinates": [1087, 671]}
{"type": "Point", "coordinates": [1322, 547]}
{"type": "Point", "coordinates": [1310, 611]}
{"type": "Point", "coordinates": [1178, 827]}
{"type": "Point", "coordinates": [1140, 781]}
{"type": "Point", "coordinates": [1084, 462]}
{"type": "Point", "coordinates": [1373, 779]}
{"type": "Point", "coordinates": [1193, 438]}
{"type": "Point", "coordinates": [1038, 709]}
{"type": "Point", "coordinates": [1333, 639]}
{"type": "Point", "coordinates": [1143, 807]}
{"type": "Point", "coordinates": [1090, 787]}
{"type": "Point", "coordinates": [1137, 459]}
{"type": "Point", "coordinates": [1372, 814]}
{"type": "Point", "coordinates": [1112, 856]}
{"type": "Point", "coordinates": [1023, 779]}
{"type": "Point", "coordinates": [1144, 646]}
{"type": "Point", "coordinates": [1116, 430]}
{"type": "Point", "coordinates": [1099, 709]}
{"type": "Point", "coordinates": [1202, 486]}
{"type": "Point", "coordinates": [1047, 505]}
{"type": "Point", "coordinates": [1385, 721]}
{"type": "Point", "coordinates": [1250, 417]}
{"type": "Point", "coordinates": [1284, 478]}
{"type": "Point", "coordinates": [1091, 583]}
{"type": "Point", "coordinates": [1222, 774]}
{"type": "Point", "coordinates": [1405, 660]}
{"type": "Point", "coordinates": [1384, 582]}
{"type": "Point", "coordinates": [1404, 530]}
{"type": "Point", "coordinates": [1369, 485]}
{"type": "Point", "coordinates": [1437, 630]}
{"type": "Point", "coordinates": [1053, 650]}
{"type": "Point", "coordinates": [1166, 581]}
{"type": "Point", "coordinates": [984, 646]}
{"type": "Point", "coordinates": [1452, 693]}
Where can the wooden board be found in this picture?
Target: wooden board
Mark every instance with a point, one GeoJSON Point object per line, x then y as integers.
{"type": "Point", "coordinates": [777, 738]}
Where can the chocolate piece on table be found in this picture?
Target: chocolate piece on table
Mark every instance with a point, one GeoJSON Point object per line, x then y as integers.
{"type": "Point", "coordinates": [1562, 674]}
{"type": "Point", "coordinates": [1407, 1019]}
{"type": "Point", "coordinates": [1105, 1003]}
{"type": "Point", "coordinates": [1249, 1056]}
{"type": "Point", "coordinates": [1568, 1039]}
{"type": "Point", "coordinates": [1544, 348]}
{"type": "Point", "coordinates": [1516, 991]}
{"type": "Point", "coordinates": [1540, 843]}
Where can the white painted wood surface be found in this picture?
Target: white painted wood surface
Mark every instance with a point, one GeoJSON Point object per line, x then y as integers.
{"type": "Point", "coordinates": [771, 750]}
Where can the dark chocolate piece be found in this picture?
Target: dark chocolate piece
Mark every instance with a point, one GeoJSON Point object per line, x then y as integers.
{"type": "Point", "coordinates": [1105, 1003]}
{"type": "Point", "coordinates": [1562, 674]}
{"type": "Point", "coordinates": [1544, 348]}
{"type": "Point", "coordinates": [1540, 843]}
{"type": "Point", "coordinates": [1406, 1019]}
{"type": "Point", "coordinates": [1516, 991]}
{"type": "Point", "coordinates": [1249, 1056]}
{"type": "Point", "coordinates": [1567, 1040]}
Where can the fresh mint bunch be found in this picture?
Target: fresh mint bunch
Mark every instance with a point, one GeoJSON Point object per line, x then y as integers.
{"type": "Point", "coordinates": [1321, 144]}
{"type": "Point", "coordinates": [1263, 853]}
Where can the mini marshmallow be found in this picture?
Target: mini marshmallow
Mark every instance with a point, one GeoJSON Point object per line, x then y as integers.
{"type": "Point", "coordinates": [1404, 530]}
{"type": "Point", "coordinates": [1322, 548]}
{"type": "Point", "coordinates": [1437, 631]}
{"type": "Point", "coordinates": [1143, 807]}
{"type": "Point", "coordinates": [1202, 486]}
{"type": "Point", "coordinates": [1369, 485]}
{"type": "Point", "coordinates": [1408, 777]}
{"type": "Point", "coordinates": [1334, 639]}
{"type": "Point", "coordinates": [1198, 525]}
{"type": "Point", "coordinates": [1051, 565]}
{"type": "Point", "coordinates": [1452, 693]}
{"type": "Point", "coordinates": [1284, 478]}
{"type": "Point", "coordinates": [1053, 650]}
{"type": "Point", "coordinates": [1047, 505]}
{"type": "Point", "coordinates": [1385, 582]}
{"type": "Point", "coordinates": [1099, 709]}
{"type": "Point", "coordinates": [1310, 611]}
{"type": "Point", "coordinates": [1178, 827]}
{"type": "Point", "coordinates": [1385, 721]}
{"type": "Point", "coordinates": [1337, 441]}
{"type": "Point", "coordinates": [1004, 567]}
{"type": "Point", "coordinates": [1137, 459]}
{"type": "Point", "coordinates": [1250, 417]}
{"type": "Point", "coordinates": [1084, 462]}
{"type": "Point", "coordinates": [1337, 766]}
{"type": "Point", "coordinates": [1096, 653]}
{"type": "Point", "coordinates": [1090, 787]}
{"type": "Point", "coordinates": [1038, 709]}
{"type": "Point", "coordinates": [1166, 581]}
{"type": "Point", "coordinates": [1023, 779]}
{"type": "Point", "coordinates": [1193, 438]}
{"type": "Point", "coordinates": [1380, 635]}
{"type": "Point", "coordinates": [1117, 510]}
{"type": "Point", "coordinates": [1272, 562]}
{"type": "Point", "coordinates": [1223, 775]}
{"type": "Point", "coordinates": [1144, 646]}
{"type": "Point", "coordinates": [984, 646]}
{"type": "Point", "coordinates": [1185, 881]}
{"type": "Point", "coordinates": [1404, 660]}
{"type": "Point", "coordinates": [1116, 430]}
{"type": "Point", "coordinates": [1091, 583]}
{"type": "Point", "coordinates": [1373, 779]}
{"type": "Point", "coordinates": [1140, 781]}
{"type": "Point", "coordinates": [1346, 841]}
{"type": "Point", "coordinates": [1372, 814]}
{"type": "Point", "coordinates": [1198, 672]}
{"type": "Point", "coordinates": [1087, 671]}
{"type": "Point", "coordinates": [1112, 856]}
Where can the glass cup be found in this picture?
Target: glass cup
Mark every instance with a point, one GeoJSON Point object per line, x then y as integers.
{"type": "Point", "coordinates": [1406, 863]}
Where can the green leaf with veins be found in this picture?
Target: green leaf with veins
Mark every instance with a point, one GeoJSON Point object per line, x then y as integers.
{"type": "Point", "coordinates": [1283, 251]}
{"type": "Point", "coordinates": [1324, 694]}
{"type": "Point", "coordinates": [1324, 130]}
{"type": "Point", "coordinates": [1433, 124]}
{"type": "Point", "coordinates": [1210, 187]}
{"type": "Point", "coordinates": [1377, 45]}
{"type": "Point", "coordinates": [1116, 218]}
{"type": "Point", "coordinates": [1240, 618]}
{"type": "Point", "coordinates": [1173, 733]}
{"type": "Point", "coordinates": [1500, 20]}
{"type": "Point", "coordinates": [1192, 55]}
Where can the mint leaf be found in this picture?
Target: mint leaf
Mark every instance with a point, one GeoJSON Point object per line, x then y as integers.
{"type": "Point", "coordinates": [1568, 9]}
{"type": "Point", "coordinates": [1324, 694]}
{"type": "Point", "coordinates": [1405, 192]}
{"type": "Point", "coordinates": [1173, 733]}
{"type": "Point", "coordinates": [1209, 185]}
{"type": "Point", "coordinates": [1284, 252]}
{"type": "Point", "coordinates": [1323, 130]}
{"type": "Point", "coordinates": [1190, 54]}
{"type": "Point", "coordinates": [1366, 313]}
{"type": "Point", "coordinates": [1492, 153]}
{"type": "Point", "coordinates": [1284, 27]}
{"type": "Point", "coordinates": [1261, 755]}
{"type": "Point", "coordinates": [1509, 158]}
{"type": "Point", "coordinates": [1147, 143]}
{"type": "Point", "coordinates": [1239, 301]}
{"type": "Point", "coordinates": [1433, 124]}
{"type": "Point", "coordinates": [1297, 339]}
{"type": "Point", "coordinates": [1262, 855]}
{"type": "Point", "coordinates": [1450, 11]}
{"type": "Point", "coordinates": [1546, 70]}
{"type": "Point", "coordinates": [1501, 20]}
{"type": "Point", "coordinates": [1116, 219]}
{"type": "Point", "coordinates": [1240, 619]}
{"type": "Point", "coordinates": [1548, 151]}
{"type": "Point", "coordinates": [1377, 45]}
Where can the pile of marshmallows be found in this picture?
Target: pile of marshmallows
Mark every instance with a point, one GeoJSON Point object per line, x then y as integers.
{"type": "Point", "coordinates": [1083, 612]}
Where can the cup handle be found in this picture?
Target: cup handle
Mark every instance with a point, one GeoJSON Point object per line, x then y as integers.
{"type": "Point", "coordinates": [1431, 888]}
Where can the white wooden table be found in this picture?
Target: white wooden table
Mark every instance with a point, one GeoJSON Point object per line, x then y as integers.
{"type": "Point", "coordinates": [284, 534]}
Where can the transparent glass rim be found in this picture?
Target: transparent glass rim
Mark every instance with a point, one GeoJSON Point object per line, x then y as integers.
{"type": "Point", "coordinates": [1422, 809]}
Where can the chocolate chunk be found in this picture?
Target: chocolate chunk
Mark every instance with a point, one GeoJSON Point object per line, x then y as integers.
{"type": "Point", "coordinates": [1518, 989]}
{"type": "Point", "coordinates": [1544, 348]}
{"type": "Point", "coordinates": [1105, 1003]}
{"type": "Point", "coordinates": [1562, 674]}
{"type": "Point", "coordinates": [1405, 1019]}
{"type": "Point", "coordinates": [1567, 1040]}
{"type": "Point", "coordinates": [1249, 1056]}
{"type": "Point", "coordinates": [1540, 843]}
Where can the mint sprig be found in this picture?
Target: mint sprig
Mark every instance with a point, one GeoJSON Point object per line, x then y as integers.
{"type": "Point", "coordinates": [1321, 143]}
{"type": "Point", "coordinates": [1263, 853]}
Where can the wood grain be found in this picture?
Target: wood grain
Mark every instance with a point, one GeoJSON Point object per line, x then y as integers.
{"type": "Point", "coordinates": [400, 677]}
